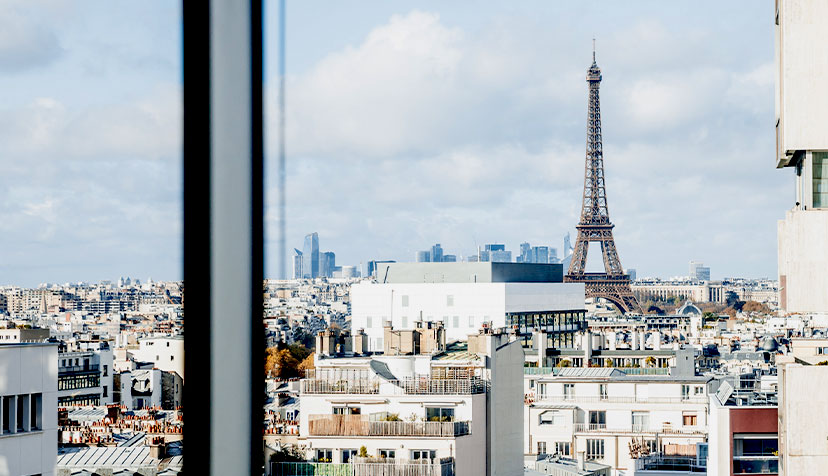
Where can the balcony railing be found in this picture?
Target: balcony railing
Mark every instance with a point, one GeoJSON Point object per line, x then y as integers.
{"type": "Point", "coordinates": [359, 425]}
{"type": "Point", "coordinates": [665, 429]}
{"type": "Point", "coordinates": [626, 370]}
{"type": "Point", "coordinates": [441, 467]}
{"type": "Point", "coordinates": [69, 369]}
{"type": "Point", "coordinates": [660, 462]}
{"type": "Point", "coordinates": [601, 399]}
{"type": "Point", "coordinates": [415, 386]}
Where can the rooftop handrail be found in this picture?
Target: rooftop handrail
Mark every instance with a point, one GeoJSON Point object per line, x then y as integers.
{"type": "Point", "coordinates": [610, 399]}
{"type": "Point", "coordinates": [409, 386]}
{"type": "Point", "coordinates": [665, 429]}
{"type": "Point", "coordinates": [360, 425]}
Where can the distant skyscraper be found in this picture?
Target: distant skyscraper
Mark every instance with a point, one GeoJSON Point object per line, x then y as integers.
{"type": "Point", "coordinates": [699, 272]}
{"type": "Point", "coordinates": [424, 256]}
{"type": "Point", "coordinates": [297, 264]}
{"type": "Point", "coordinates": [525, 249]}
{"type": "Point", "coordinates": [500, 256]}
{"type": "Point", "coordinates": [567, 246]}
{"type": "Point", "coordinates": [553, 255]}
{"type": "Point", "coordinates": [449, 258]}
{"type": "Point", "coordinates": [437, 253]}
{"type": "Point", "coordinates": [310, 256]}
{"type": "Point", "coordinates": [631, 273]}
{"type": "Point", "coordinates": [327, 263]}
{"type": "Point", "coordinates": [539, 254]}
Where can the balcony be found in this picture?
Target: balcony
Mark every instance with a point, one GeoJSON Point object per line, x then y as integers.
{"type": "Point", "coordinates": [436, 467]}
{"type": "Point", "coordinates": [78, 369]}
{"type": "Point", "coordinates": [414, 386]}
{"type": "Point", "coordinates": [600, 399]}
{"type": "Point", "coordinates": [659, 462]}
{"type": "Point", "coordinates": [359, 425]}
{"type": "Point", "coordinates": [638, 429]}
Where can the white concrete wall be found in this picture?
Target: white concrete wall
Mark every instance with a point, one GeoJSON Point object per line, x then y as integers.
{"type": "Point", "coordinates": [803, 435]}
{"type": "Point", "coordinates": [167, 353]}
{"type": "Point", "coordinates": [28, 369]}
{"type": "Point", "coordinates": [802, 66]}
{"type": "Point", "coordinates": [803, 260]}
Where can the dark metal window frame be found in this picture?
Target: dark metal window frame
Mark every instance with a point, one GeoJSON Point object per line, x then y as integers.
{"type": "Point", "coordinates": [221, 32]}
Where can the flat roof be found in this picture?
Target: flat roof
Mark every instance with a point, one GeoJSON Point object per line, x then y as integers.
{"type": "Point", "coordinates": [485, 272]}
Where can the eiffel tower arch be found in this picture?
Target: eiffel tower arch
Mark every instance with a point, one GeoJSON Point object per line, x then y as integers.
{"type": "Point", "coordinates": [595, 226]}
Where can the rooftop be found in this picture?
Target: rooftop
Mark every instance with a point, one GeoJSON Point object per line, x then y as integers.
{"type": "Point", "coordinates": [469, 273]}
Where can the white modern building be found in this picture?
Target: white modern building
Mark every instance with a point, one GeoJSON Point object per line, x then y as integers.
{"type": "Point", "coordinates": [28, 409]}
{"type": "Point", "coordinates": [458, 409]}
{"type": "Point", "coordinates": [802, 145]}
{"type": "Point", "coordinates": [463, 296]}
{"type": "Point", "coordinates": [165, 352]}
{"type": "Point", "coordinates": [607, 413]}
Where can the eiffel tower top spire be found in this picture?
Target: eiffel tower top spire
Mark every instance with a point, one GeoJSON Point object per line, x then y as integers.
{"type": "Point", "coordinates": [593, 51]}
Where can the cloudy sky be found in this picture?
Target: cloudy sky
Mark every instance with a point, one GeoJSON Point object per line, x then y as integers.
{"type": "Point", "coordinates": [409, 123]}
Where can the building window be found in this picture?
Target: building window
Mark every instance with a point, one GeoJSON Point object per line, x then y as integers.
{"type": "Point", "coordinates": [439, 414]}
{"type": "Point", "coordinates": [698, 390]}
{"type": "Point", "coordinates": [404, 322]}
{"type": "Point", "coordinates": [755, 454]}
{"type": "Point", "coordinates": [36, 411]}
{"type": "Point", "coordinates": [569, 390]}
{"type": "Point", "coordinates": [22, 406]}
{"type": "Point", "coordinates": [640, 421]}
{"type": "Point", "coordinates": [541, 447]}
{"type": "Point", "coordinates": [8, 408]}
{"type": "Point", "coordinates": [105, 370]}
{"type": "Point", "coordinates": [324, 455]}
{"type": "Point", "coordinates": [820, 181]}
{"type": "Point", "coordinates": [387, 453]}
{"type": "Point", "coordinates": [597, 420]}
{"type": "Point", "coordinates": [563, 448]}
{"type": "Point", "coordinates": [450, 300]}
{"type": "Point", "coordinates": [172, 357]}
{"type": "Point", "coordinates": [368, 322]}
{"type": "Point", "coordinates": [471, 322]}
{"type": "Point", "coordinates": [423, 454]}
{"type": "Point", "coordinates": [685, 392]}
{"type": "Point", "coordinates": [105, 394]}
{"type": "Point", "coordinates": [456, 321]}
{"type": "Point", "coordinates": [405, 301]}
{"type": "Point", "coordinates": [602, 389]}
{"type": "Point", "coordinates": [347, 455]}
{"type": "Point", "coordinates": [689, 419]}
{"type": "Point", "coordinates": [595, 449]}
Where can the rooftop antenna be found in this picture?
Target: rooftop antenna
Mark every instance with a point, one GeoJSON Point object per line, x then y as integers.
{"type": "Point", "coordinates": [593, 49]}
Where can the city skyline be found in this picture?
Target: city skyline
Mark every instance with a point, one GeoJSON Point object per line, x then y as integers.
{"type": "Point", "coordinates": [501, 162]}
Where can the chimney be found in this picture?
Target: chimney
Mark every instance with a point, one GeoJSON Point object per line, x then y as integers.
{"type": "Point", "coordinates": [581, 461]}
{"type": "Point", "coordinates": [587, 347]}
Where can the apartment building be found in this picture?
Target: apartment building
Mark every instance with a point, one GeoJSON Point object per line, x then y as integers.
{"type": "Point", "coordinates": [165, 352]}
{"type": "Point", "coordinates": [28, 408]}
{"type": "Point", "coordinates": [453, 410]}
{"type": "Point", "coordinates": [85, 374]}
{"type": "Point", "coordinates": [465, 296]}
{"type": "Point", "coordinates": [606, 413]}
{"type": "Point", "coordinates": [743, 435]}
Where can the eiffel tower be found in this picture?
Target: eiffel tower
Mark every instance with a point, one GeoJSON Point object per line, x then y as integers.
{"type": "Point", "coordinates": [612, 285]}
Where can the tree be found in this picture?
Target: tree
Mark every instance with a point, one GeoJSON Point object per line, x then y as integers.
{"type": "Point", "coordinates": [650, 361]}
{"type": "Point", "coordinates": [564, 363]}
{"type": "Point", "coordinates": [363, 452]}
{"type": "Point", "coordinates": [287, 453]}
{"type": "Point", "coordinates": [608, 363]}
{"type": "Point", "coordinates": [656, 310]}
{"type": "Point", "coordinates": [307, 364]}
{"type": "Point", "coordinates": [281, 363]}
{"type": "Point", "coordinates": [824, 362]}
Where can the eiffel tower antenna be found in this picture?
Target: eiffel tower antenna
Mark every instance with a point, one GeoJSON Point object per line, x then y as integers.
{"type": "Point", "coordinates": [595, 225]}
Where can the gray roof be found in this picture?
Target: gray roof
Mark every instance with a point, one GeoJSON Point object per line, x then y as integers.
{"type": "Point", "coordinates": [107, 457]}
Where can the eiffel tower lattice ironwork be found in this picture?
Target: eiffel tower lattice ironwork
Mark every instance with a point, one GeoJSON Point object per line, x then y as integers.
{"type": "Point", "coordinates": [595, 226]}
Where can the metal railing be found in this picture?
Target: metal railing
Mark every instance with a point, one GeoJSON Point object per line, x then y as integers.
{"type": "Point", "coordinates": [601, 399]}
{"type": "Point", "coordinates": [78, 369]}
{"type": "Point", "coordinates": [666, 429]}
{"type": "Point", "coordinates": [414, 386]}
{"type": "Point", "coordinates": [627, 370]}
{"type": "Point", "coordinates": [441, 467]}
{"type": "Point", "coordinates": [661, 462]}
{"type": "Point", "coordinates": [359, 425]}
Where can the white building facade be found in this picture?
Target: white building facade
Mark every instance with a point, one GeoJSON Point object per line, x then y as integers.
{"type": "Point", "coordinates": [28, 409]}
